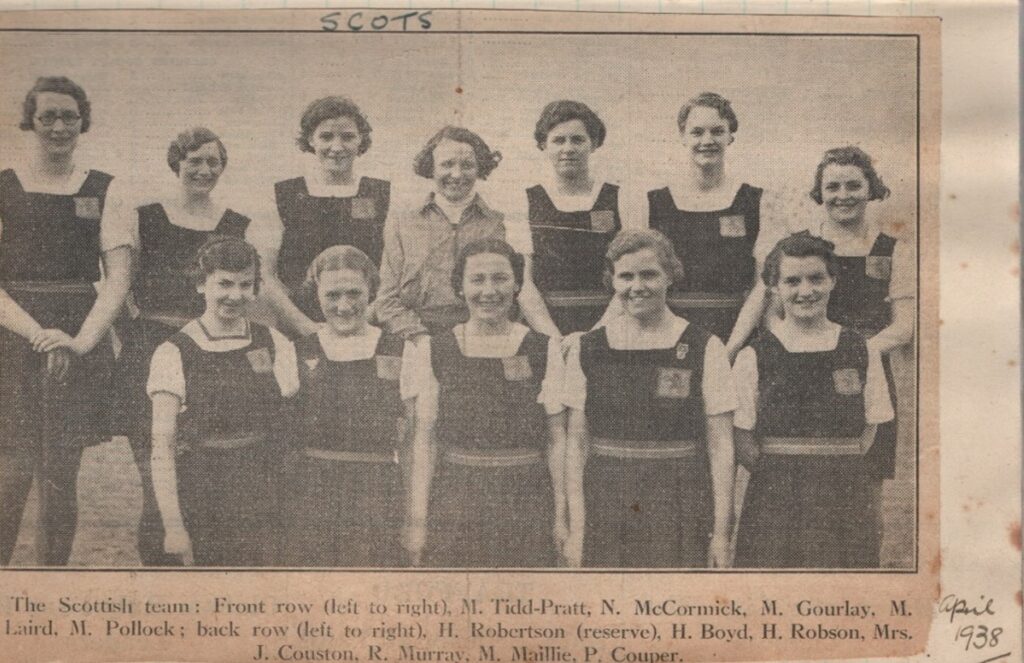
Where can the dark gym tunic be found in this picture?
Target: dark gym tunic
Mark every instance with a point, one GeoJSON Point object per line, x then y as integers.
{"type": "Point", "coordinates": [491, 502]}
{"type": "Point", "coordinates": [314, 223]}
{"type": "Point", "coordinates": [808, 504]}
{"type": "Point", "coordinates": [717, 250]}
{"type": "Point", "coordinates": [569, 250]}
{"type": "Point", "coordinates": [647, 482]}
{"type": "Point", "coordinates": [49, 259]}
{"type": "Point", "coordinates": [345, 487]}
{"type": "Point", "coordinates": [860, 301]}
{"type": "Point", "coordinates": [227, 459]}
{"type": "Point", "coordinates": [166, 299]}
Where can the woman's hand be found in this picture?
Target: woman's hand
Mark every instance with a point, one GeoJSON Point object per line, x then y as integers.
{"type": "Point", "coordinates": [569, 342]}
{"type": "Point", "coordinates": [414, 538]}
{"type": "Point", "coordinates": [560, 533]}
{"type": "Point", "coordinates": [47, 340]}
{"type": "Point", "coordinates": [177, 542]}
{"type": "Point", "coordinates": [718, 551]}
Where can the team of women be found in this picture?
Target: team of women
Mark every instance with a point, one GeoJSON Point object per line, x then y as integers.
{"type": "Point", "coordinates": [342, 383]}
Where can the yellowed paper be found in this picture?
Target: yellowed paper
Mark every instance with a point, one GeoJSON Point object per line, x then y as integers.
{"type": "Point", "coordinates": [801, 85]}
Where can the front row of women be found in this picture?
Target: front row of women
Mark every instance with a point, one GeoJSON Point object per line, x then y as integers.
{"type": "Point", "coordinates": [482, 447]}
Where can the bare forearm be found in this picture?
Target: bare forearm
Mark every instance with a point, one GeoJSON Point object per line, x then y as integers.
{"type": "Point", "coordinates": [535, 310]}
{"type": "Point", "coordinates": [15, 319]}
{"type": "Point", "coordinates": [900, 332]}
{"type": "Point", "coordinates": [747, 320]}
{"type": "Point", "coordinates": [285, 310]}
{"type": "Point", "coordinates": [164, 467]}
{"type": "Point", "coordinates": [722, 459]}
{"type": "Point", "coordinates": [113, 290]}
{"type": "Point", "coordinates": [556, 462]}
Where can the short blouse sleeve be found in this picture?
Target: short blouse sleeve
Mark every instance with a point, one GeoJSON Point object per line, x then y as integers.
{"type": "Point", "coordinates": [745, 377]}
{"type": "Point", "coordinates": [717, 383]}
{"type": "Point", "coordinates": [417, 374]}
{"type": "Point", "coordinates": [166, 374]}
{"type": "Point", "coordinates": [903, 281]}
{"type": "Point", "coordinates": [119, 225]}
{"type": "Point", "coordinates": [550, 395]}
{"type": "Point", "coordinates": [574, 383]}
{"type": "Point", "coordinates": [877, 403]}
{"type": "Point", "coordinates": [286, 364]}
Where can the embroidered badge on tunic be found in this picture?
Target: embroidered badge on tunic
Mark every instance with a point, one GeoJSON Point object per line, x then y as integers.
{"type": "Point", "coordinates": [878, 267]}
{"type": "Point", "coordinates": [312, 363]}
{"type": "Point", "coordinates": [516, 368]}
{"type": "Point", "coordinates": [388, 368]}
{"type": "Point", "coordinates": [847, 381]}
{"type": "Point", "coordinates": [682, 349]}
{"type": "Point", "coordinates": [674, 383]}
{"type": "Point", "coordinates": [733, 225]}
{"type": "Point", "coordinates": [260, 360]}
{"type": "Point", "coordinates": [364, 209]}
{"type": "Point", "coordinates": [87, 207]}
{"type": "Point", "coordinates": [602, 221]}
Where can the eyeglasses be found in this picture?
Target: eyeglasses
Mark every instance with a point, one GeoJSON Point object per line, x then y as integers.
{"type": "Point", "coordinates": [49, 118]}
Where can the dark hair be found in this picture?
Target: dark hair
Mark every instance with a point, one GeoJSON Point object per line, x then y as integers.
{"type": "Point", "coordinates": [342, 256]}
{"type": "Point", "coordinates": [850, 156]}
{"type": "Point", "coordinates": [57, 85]}
{"type": "Point", "coordinates": [230, 254]}
{"type": "Point", "coordinates": [798, 245]}
{"type": "Point", "coordinates": [558, 112]}
{"type": "Point", "coordinates": [489, 245]}
{"type": "Point", "coordinates": [631, 241]}
{"type": "Point", "coordinates": [190, 141]}
{"type": "Point", "coordinates": [486, 160]}
{"type": "Point", "coordinates": [329, 108]}
{"type": "Point", "coordinates": [709, 100]}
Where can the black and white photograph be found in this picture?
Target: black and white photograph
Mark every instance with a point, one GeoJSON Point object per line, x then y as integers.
{"type": "Point", "coordinates": [577, 302]}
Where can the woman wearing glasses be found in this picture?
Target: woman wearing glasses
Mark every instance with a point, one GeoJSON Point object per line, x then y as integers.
{"type": "Point", "coordinates": [53, 320]}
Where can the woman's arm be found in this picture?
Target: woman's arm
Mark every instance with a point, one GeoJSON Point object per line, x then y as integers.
{"type": "Point", "coordinates": [749, 317]}
{"type": "Point", "coordinates": [112, 291]}
{"type": "Point", "coordinates": [392, 314]}
{"type": "Point", "coordinates": [275, 294]}
{"type": "Point", "coordinates": [556, 465]}
{"type": "Point", "coordinates": [14, 318]}
{"type": "Point", "coordinates": [421, 471]}
{"type": "Point", "coordinates": [575, 460]}
{"type": "Point", "coordinates": [165, 479]}
{"type": "Point", "coordinates": [532, 303]}
{"type": "Point", "coordinates": [723, 468]}
{"type": "Point", "coordinates": [899, 332]}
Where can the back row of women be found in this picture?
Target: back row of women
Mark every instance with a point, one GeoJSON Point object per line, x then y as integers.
{"type": "Point", "coordinates": [423, 406]}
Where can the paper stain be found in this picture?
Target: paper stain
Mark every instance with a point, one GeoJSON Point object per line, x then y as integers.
{"type": "Point", "coordinates": [963, 265]}
{"type": "Point", "coordinates": [1015, 271]}
{"type": "Point", "coordinates": [458, 90]}
{"type": "Point", "coordinates": [1019, 597]}
{"type": "Point", "coordinates": [936, 563]}
{"type": "Point", "coordinates": [952, 196]}
{"type": "Point", "coordinates": [1015, 534]}
{"type": "Point", "coordinates": [1015, 247]}
{"type": "Point", "coordinates": [636, 508]}
{"type": "Point", "coordinates": [1011, 363]}
{"type": "Point", "coordinates": [1015, 212]}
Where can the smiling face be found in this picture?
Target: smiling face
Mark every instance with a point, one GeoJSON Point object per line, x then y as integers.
{"type": "Point", "coordinates": [229, 294]}
{"type": "Point", "coordinates": [57, 123]}
{"type": "Point", "coordinates": [568, 145]}
{"type": "Point", "coordinates": [201, 168]}
{"type": "Point", "coordinates": [344, 296]}
{"type": "Point", "coordinates": [804, 287]}
{"type": "Point", "coordinates": [845, 192]}
{"type": "Point", "coordinates": [706, 136]}
{"type": "Point", "coordinates": [335, 143]}
{"type": "Point", "coordinates": [641, 283]}
{"type": "Point", "coordinates": [455, 170]}
{"type": "Point", "coordinates": [489, 287]}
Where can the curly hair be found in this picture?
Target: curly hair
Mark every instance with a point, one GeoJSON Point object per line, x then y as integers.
{"type": "Point", "coordinates": [486, 160]}
{"type": "Point", "coordinates": [190, 141]}
{"type": "Point", "coordinates": [798, 245]}
{"type": "Point", "coordinates": [225, 252]}
{"type": "Point", "coordinates": [709, 100]}
{"type": "Point", "coordinates": [329, 108]}
{"type": "Point", "coordinates": [561, 111]}
{"type": "Point", "coordinates": [488, 245]}
{"type": "Point", "coordinates": [57, 85]}
{"type": "Point", "coordinates": [850, 156]}
{"type": "Point", "coordinates": [341, 256]}
{"type": "Point", "coordinates": [631, 241]}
